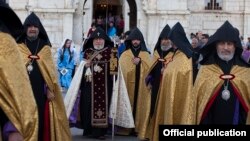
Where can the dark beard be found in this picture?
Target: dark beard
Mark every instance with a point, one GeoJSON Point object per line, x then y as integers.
{"type": "Point", "coordinates": [33, 38]}
{"type": "Point", "coordinates": [136, 47]}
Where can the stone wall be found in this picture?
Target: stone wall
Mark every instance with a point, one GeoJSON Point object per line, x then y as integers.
{"type": "Point", "coordinates": [56, 17]}
{"type": "Point", "coordinates": [68, 18]}
{"type": "Point", "coordinates": [193, 16]}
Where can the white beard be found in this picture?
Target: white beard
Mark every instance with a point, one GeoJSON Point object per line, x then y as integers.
{"type": "Point", "coordinates": [166, 48]}
{"type": "Point", "coordinates": [226, 57]}
{"type": "Point", "coordinates": [99, 47]}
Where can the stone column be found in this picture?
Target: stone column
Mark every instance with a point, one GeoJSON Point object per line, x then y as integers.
{"type": "Point", "coordinates": [152, 31]}
{"type": "Point", "coordinates": [125, 15]}
{"type": "Point", "coordinates": [78, 23]}
{"type": "Point", "coordinates": [67, 25]}
{"type": "Point", "coordinates": [246, 19]}
{"type": "Point", "coordinates": [87, 17]}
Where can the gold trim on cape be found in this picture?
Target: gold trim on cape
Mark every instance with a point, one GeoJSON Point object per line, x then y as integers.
{"type": "Point", "coordinates": [248, 118]}
{"type": "Point", "coordinates": [59, 124]}
{"type": "Point", "coordinates": [143, 101]}
{"type": "Point", "coordinates": [16, 97]}
{"type": "Point", "coordinates": [208, 81]}
{"type": "Point", "coordinates": [174, 96]}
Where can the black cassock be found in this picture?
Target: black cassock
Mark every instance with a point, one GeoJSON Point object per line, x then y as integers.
{"type": "Point", "coordinates": [222, 111]}
{"type": "Point", "coordinates": [96, 94]}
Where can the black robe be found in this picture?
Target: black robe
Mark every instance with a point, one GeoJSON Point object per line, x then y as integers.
{"type": "Point", "coordinates": [86, 97]}
{"type": "Point", "coordinates": [156, 71]}
{"type": "Point", "coordinates": [195, 61]}
{"type": "Point", "coordinates": [36, 79]}
{"type": "Point", "coordinates": [3, 120]}
{"type": "Point", "coordinates": [156, 78]}
{"type": "Point", "coordinates": [221, 111]}
{"type": "Point", "coordinates": [136, 35]}
{"type": "Point", "coordinates": [38, 83]}
{"type": "Point", "coordinates": [136, 52]}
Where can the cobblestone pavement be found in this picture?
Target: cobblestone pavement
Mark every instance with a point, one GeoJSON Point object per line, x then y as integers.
{"type": "Point", "coordinates": [77, 136]}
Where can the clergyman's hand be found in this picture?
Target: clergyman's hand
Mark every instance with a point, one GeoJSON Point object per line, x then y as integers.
{"type": "Point", "coordinates": [88, 63]}
{"type": "Point", "coordinates": [15, 136]}
{"type": "Point", "coordinates": [148, 81]}
{"type": "Point", "coordinates": [136, 60]}
{"type": "Point", "coordinates": [50, 95]}
{"type": "Point", "coordinates": [149, 86]}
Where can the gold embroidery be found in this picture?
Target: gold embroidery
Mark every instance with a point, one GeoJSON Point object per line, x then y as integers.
{"type": "Point", "coordinates": [99, 113]}
{"type": "Point", "coordinates": [97, 68]}
{"type": "Point", "coordinates": [113, 61]}
{"type": "Point", "coordinates": [99, 56]}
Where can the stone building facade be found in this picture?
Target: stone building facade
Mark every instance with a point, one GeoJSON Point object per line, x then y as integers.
{"type": "Point", "coordinates": [71, 18]}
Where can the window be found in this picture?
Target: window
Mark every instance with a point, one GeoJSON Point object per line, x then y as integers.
{"type": "Point", "coordinates": [213, 4]}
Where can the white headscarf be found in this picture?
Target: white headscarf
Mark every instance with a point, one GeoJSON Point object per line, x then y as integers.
{"type": "Point", "coordinates": [72, 50]}
{"type": "Point", "coordinates": [71, 46]}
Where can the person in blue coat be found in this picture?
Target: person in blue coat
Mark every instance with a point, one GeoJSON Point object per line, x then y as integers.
{"type": "Point", "coordinates": [112, 30]}
{"type": "Point", "coordinates": [66, 63]}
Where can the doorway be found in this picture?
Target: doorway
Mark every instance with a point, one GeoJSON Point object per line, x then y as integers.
{"type": "Point", "coordinates": [106, 11]}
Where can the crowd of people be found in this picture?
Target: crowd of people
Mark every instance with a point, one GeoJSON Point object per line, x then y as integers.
{"type": "Point", "coordinates": [202, 80]}
{"type": "Point", "coordinates": [114, 25]}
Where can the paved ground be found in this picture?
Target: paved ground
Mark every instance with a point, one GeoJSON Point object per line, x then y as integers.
{"type": "Point", "coordinates": [77, 136]}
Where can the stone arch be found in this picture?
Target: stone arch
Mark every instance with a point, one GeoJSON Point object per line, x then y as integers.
{"type": "Point", "coordinates": [132, 13]}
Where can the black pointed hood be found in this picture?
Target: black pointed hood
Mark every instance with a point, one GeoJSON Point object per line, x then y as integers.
{"type": "Point", "coordinates": [178, 36]}
{"type": "Point", "coordinates": [34, 20]}
{"type": "Point", "coordinates": [238, 43]}
{"type": "Point", "coordinates": [10, 20]}
{"type": "Point", "coordinates": [164, 34]}
{"type": "Point", "coordinates": [225, 33]}
{"type": "Point", "coordinates": [98, 33]}
{"type": "Point", "coordinates": [135, 34]}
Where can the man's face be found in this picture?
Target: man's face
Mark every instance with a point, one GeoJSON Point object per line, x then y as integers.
{"type": "Point", "coordinates": [199, 35]}
{"type": "Point", "coordinates": [204, 40]}
{"type": "Point", "coordinates": [136, 42]}
{"type": "Point", "coordinates": [165, 44]}
{"type": "Point", "coordinates": [225, 50]}
{"type": "Point", "coordinates": [32, 31]}
{"type": "Point", "coordinates": [98, 43]}
{"type": "Point", "coordinates": [194, 43]}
